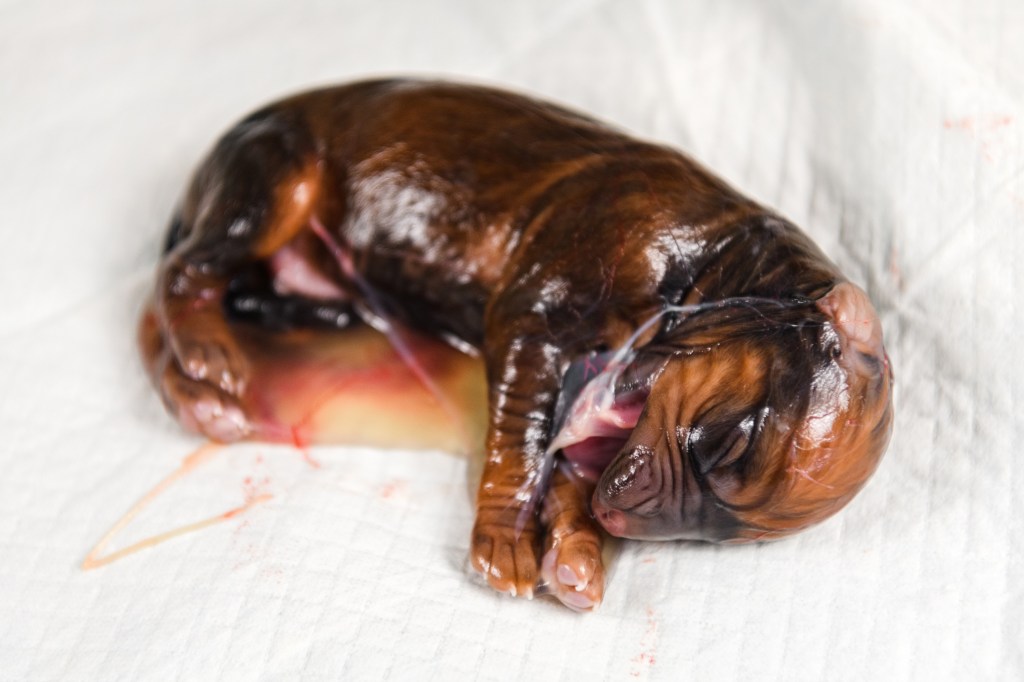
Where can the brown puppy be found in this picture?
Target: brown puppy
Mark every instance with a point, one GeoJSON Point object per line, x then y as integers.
{"type": "Point", "coordinates": [757, 404]}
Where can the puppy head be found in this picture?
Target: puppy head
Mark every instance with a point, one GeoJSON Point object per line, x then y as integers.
{"type": "Point", "coordinates": [760, 421]}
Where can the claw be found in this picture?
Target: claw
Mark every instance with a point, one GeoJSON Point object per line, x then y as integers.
{"type": "Point", "coordinates": [571, 571]}
{"type": "Point", "coordinates": [505, 559]}
{"type": "Point", "coordinates": [204, 408]}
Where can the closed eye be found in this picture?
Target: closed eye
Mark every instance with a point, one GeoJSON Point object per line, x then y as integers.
{"type": "Point", "coordinates": [720, 444]}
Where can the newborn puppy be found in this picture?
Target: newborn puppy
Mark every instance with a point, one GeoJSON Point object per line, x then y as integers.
{"type": "Point", "coordinates": [742, 391]}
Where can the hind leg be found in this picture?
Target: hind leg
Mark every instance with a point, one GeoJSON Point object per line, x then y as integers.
{"type": "Point", "coordinates": [255, 193]}
{"type": "Point", "coordinates": [198, 405]}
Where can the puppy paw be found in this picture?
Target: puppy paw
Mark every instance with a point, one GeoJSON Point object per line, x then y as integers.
{"type": "Point", "coordinates": [203, 407]}
{"type": "Point", "coordinates": [572, 570]}
{"type": "Point", "coordinates": [213, 358]}
{"type": "Point", "coordinates": [507, 559]}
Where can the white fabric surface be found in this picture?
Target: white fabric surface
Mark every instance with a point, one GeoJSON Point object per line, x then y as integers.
{"type": "Point", "coordinates": [891, 130]}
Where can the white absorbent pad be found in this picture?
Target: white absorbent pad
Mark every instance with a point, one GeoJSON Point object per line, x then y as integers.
{"type": "Point", "coordinates": [891, 130]}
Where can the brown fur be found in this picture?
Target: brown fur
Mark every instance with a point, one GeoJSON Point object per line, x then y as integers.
{"type": "Point", "coordinates": [533, 235]}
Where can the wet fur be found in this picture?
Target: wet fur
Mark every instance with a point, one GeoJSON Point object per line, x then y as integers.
{"type": "Point", "coordinates": [510, 227]}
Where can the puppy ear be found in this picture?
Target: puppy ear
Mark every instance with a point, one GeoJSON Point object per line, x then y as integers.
{"type": "Point", "coordinates": [849, 309]}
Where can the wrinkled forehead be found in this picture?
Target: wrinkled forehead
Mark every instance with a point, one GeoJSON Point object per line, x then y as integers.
{"type": "Point", "coordinates": [784, 389]}
{"type": "Point", "coordinates": [782, 372]}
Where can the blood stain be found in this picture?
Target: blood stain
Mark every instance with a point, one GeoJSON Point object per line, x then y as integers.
{"type": "Point", "coordinates": [392, 488]}
{"type": "Point", "coordinates": [648, 645]}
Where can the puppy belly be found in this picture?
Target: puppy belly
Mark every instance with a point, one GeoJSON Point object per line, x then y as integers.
{"type": "Point", "coordinates": [351, 387]}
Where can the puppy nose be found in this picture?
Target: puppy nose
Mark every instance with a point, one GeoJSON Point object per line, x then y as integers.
{"type": "Point", "coordinates": [612, 520]}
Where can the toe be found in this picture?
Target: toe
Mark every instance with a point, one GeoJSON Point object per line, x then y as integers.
{"type": "Point", "coordinates": [506, 560]}
{"type": "Point", "coordinates": [203, 408]}
{"type": "Point", "coordinates": [572, 572]}
{"type": "Point", "coordinates": [216, 361]}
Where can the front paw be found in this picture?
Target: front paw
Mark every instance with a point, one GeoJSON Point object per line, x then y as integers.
{"type": "Point", "coordinates": [505, 557]}
{"type": "Point", "coordinates": [572, 569]}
